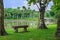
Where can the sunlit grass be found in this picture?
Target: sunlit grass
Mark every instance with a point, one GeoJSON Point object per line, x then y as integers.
{"type": "Point", "coordinates": [33, 34]}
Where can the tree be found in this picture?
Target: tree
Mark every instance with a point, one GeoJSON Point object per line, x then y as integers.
{"type": "Point", "coordinates": [56, 9]}
{"type": "Point", "coordinates": [24, 11]}
{"type": "Point", "coordinates": [18, 13]}
{"type": "Point", "coordinates": [2, 30]}
{"type": "Point", "coordinates": [24, 8]}
{"type": "Point", "coordinates": [49, 14]}
{"type": "Point", "coordinates": [41, 7]}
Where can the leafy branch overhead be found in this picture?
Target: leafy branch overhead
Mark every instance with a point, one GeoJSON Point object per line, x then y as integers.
{"type": "Point", "coordinates": [45, 3]}
{"type": "Point", "coordinates": [56, 8]}
{"type": "Point", "coordinates": [36, 1]}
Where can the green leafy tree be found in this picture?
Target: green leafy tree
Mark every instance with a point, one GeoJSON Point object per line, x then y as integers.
{"type": "Point", "coordinates": [26, 12]}
{"type": "Point", "coordinates": [56, 9]}
{"type": "Point", "coordinates": [24, 8]}
{"type": "Point", "coordinates": [18, 13]}
{"type": "Point", "coordinates": [49, 14]}
{"type": "Point", "coordinates": [42, 5]}
{"type": "Point", "coordinates": [8, 13]}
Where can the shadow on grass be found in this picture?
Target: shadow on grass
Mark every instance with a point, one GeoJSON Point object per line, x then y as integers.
{"type": "Point", "coordinates": [23, 32]}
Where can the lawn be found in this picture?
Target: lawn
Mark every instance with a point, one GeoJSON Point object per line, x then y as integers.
{"type": "Point", "coordinates": [33, 34]}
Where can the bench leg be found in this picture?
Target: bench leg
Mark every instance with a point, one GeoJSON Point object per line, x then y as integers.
{"type": "Point", "coordinates": [25, 29]}
{"type": "Point", "coordinates": [16, 30]}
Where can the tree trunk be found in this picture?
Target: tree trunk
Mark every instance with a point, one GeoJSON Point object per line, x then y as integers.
{"type": "Point", "coordinates": [41, 23]}
{"type": "Point", "coordinates": [2, 30]}
{"type": "Point", "coordinates": [58, 27]}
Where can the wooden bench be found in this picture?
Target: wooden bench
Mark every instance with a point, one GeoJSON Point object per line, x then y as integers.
{"type": "Point", "coordinates": [22, 26]}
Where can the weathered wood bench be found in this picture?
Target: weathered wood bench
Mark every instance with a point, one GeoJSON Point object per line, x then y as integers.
{"type": "Point", "coordinates": [22, 26]}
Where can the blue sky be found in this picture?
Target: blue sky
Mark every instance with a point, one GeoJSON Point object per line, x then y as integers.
{"type": "Point", "coordinates": [20, 3]}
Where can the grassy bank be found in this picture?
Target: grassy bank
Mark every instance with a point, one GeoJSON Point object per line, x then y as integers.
{"type": "Point", "coordinates": [33, 34]}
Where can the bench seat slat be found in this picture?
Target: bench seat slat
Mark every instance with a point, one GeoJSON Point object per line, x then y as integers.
{"type": "Point", "coordinates": [22, 26]}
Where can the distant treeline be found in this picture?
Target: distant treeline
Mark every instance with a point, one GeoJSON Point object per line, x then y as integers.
{"type": "Point", "coordinates": [10, 13]}
{"type": "Point", "coordinates": [14, 13]}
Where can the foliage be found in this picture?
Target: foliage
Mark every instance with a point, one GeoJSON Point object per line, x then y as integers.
{"type": "Point", "coordinates": [10, 13]}
{"type": "Point", "coordinates": [49, 14]}
{"type": "Point", "coordinates": [56, 8]}
{"type": "Point", "coordinates": [37, 1]}
{"type": "Point", "coordinates": [24, 8]}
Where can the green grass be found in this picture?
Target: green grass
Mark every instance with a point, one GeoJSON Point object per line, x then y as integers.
{"type": "Point", "coordinates": [33, 34]}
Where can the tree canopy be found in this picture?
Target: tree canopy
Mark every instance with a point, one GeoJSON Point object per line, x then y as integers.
{"type": "Point", "coordinates": [56, 7]}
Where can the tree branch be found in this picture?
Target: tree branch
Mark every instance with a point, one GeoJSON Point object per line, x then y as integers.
{"type": "Point", "coordinates": [38, 6]}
